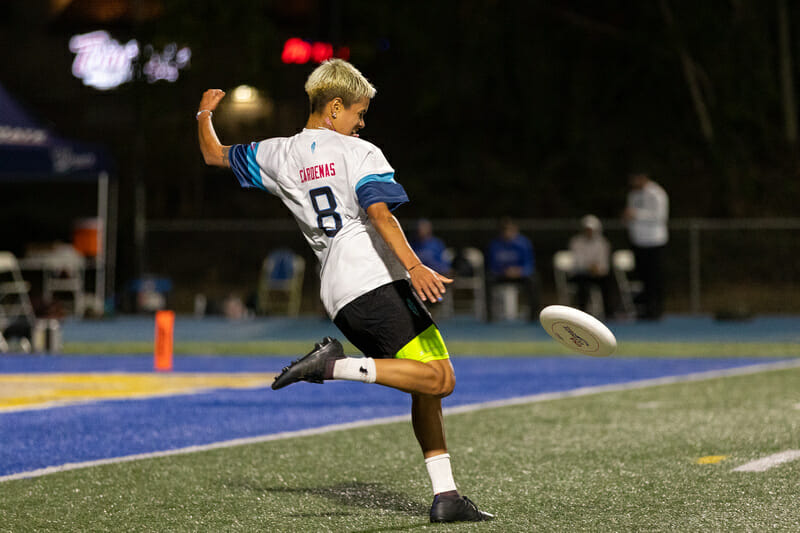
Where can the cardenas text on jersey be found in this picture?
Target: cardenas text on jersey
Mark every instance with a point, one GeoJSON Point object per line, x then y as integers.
{"type": "Point", "coordinates": [316, 172]}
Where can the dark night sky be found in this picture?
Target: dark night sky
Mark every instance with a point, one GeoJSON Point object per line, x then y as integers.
{"type": "Point", "coordinates": [526, 102]}
{"type": "Point", "coordinates": [485, 108]}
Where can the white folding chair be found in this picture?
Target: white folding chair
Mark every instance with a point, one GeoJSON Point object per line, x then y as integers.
{"type": "Point", "coordinates": [15, 303]}
{"type": "Point", "coordinates": [64, 274]}
{"type": "Point", "coordinates": [563, 265]}
{"type": "Point", "coordinates": [624, 264]}
{"type": "Point", "coordinates": [470, 285]}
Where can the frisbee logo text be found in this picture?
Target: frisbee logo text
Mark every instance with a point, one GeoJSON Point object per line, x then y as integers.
{"type": "Point", "coordinates": [575, 338]}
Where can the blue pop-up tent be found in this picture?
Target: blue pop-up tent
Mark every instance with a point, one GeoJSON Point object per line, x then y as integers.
{"type": "Point", "coordinates": [30, 152]}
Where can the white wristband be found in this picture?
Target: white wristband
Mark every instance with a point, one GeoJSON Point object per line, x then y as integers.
{"type": "Point", "coordinates": [210, 113]}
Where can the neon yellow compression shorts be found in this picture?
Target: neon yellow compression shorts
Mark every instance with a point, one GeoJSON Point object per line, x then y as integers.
{"type": "Point", "coordinates": [426, 347]}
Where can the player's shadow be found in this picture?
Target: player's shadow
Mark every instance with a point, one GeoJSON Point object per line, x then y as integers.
{"type": "Point", "coordinates": [355, 494]}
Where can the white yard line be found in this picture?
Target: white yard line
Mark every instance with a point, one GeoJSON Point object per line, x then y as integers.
{"type": "Point", "coordinates": [770, 461]}
{"type": "Point", "coordinates": [582, 391]}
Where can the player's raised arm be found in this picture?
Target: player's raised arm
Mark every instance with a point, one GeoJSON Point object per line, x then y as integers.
{"type": "Point", "coordinates": [428, 283]}
{"type": "Point", "coordinates": [214, 153]}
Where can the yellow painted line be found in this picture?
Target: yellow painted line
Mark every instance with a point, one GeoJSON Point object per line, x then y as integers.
{"type": "Point", "coordinates": [711, 459]}
{"type": "Point", "coordinates": [34, 391]}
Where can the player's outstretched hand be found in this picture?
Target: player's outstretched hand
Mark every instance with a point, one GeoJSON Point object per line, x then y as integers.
{"type": "Point", "coordinates": [211, 99]}
{"type": "Point", "coordinates": [428, 283]}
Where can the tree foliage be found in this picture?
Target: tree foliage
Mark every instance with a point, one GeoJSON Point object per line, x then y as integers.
{"type": "Point", "coordinates": [544, 107]}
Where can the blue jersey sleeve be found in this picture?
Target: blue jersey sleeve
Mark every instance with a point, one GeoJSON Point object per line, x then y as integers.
{"type": "Point", "coordinates": [244, 165]}
{"type": "Point", "coordinates": [528, 259]}
{"type": "Point", "coordinates": [515, 253]}
{"type": "Point", "coordinates": [380, 188]}
{"type": "Point", "coordinates": [493, 257]}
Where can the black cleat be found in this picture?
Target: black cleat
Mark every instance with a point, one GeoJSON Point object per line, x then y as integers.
{"type": "Point", "coordinates": [310, 368]}
{"type": "Point", "coordinates": [457, 509]}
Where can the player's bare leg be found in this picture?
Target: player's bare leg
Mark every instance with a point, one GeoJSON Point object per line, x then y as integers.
{"type": "Point", "coordinates": [435, 378]}
{"type": "Point", "coordinates": [428, 383]}
{"type": "Point", "coordinates": [448, 504]}
{"type": "Point", "coordinates": [426, 417]}
{"type": "Point", "coordinates": [327, 361]}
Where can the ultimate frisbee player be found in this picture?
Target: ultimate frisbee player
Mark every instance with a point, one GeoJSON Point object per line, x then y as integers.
{"type": "Point", "coordinates": [341, 190]}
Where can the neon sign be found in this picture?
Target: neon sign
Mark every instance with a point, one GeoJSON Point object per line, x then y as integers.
{"type": "Point", "coordinates": [101, 61]}
{"type": "Point", "coordinates": [22, 136]}
{"type": "Point", "coordinates": [297, 51]}
{"type": "Point", "coordinates": [104, 63]}
{"type": "Point", "coordinates": [166, 65]}
{"type": "Point", "coordinates": [66, 160]}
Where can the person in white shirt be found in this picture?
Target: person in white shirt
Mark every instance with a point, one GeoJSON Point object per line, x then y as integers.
{"type": "Point", "coordinates": [591, 252]}
{"type": "Point", "coordinates": [646, 215]}
{"type": "Point", "coordinates": [341, 191]}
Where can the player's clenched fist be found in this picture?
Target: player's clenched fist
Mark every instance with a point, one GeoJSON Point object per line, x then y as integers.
{"type": "Point", "coordinates": [211, 99]}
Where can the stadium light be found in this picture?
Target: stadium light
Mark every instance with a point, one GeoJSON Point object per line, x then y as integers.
{"type": "Point", "coordinates": [246, 104]}
{"type": "Point", "coordinates": [244, 94]}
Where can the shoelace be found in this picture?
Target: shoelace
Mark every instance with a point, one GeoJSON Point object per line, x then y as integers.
{"type": "Point", "coordinates": [290, 365]}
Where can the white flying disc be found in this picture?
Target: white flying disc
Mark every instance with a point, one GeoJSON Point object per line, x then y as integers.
{"type": "Point", "coordinates": [578, 331]}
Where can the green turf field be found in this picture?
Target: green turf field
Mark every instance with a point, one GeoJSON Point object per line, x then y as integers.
{"type": "Point", "coordinates": [616, 461]}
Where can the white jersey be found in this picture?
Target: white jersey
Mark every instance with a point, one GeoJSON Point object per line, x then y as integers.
{"type": "Point", "coordinates": [650, 206]}
{"type": "Point", "coordinates": [591, 254]}
{"type": "Point", "coordinates": [327, 180]}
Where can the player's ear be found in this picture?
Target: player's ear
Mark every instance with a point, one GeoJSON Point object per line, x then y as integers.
{"type": "Point", "coordinates": [336, 105]}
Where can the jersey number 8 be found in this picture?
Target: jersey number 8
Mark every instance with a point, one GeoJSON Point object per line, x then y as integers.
{"type": "Point", "coordinates": [326, 212]}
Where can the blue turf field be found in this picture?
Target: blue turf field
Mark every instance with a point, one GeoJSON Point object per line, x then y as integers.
{"type": "Point", "coordinates": [113, 428]}
{"type": "Point", "coordinates": [34, 439]}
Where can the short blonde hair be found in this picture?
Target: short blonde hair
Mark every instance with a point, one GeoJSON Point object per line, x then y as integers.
{"type": "Point", "coordinates": [337, 78]}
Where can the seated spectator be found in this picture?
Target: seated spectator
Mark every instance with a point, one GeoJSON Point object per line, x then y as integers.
{"type": "Point", "coordinates": [510, 259]}
{"type": "Point", "coordinates": [592, 252]}
{"type": "Point", "coordinates": [429, 248]}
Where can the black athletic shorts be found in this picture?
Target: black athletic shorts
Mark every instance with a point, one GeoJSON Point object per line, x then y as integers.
{"type": "Point", "coordinates": [384, 321]}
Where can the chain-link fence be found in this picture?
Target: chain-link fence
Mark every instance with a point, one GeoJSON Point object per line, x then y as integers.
{"type": "Point", "coordinates": [712, 265]}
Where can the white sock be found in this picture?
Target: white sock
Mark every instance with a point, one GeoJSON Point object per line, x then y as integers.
{"type": "Point", "coordinates": [440, 472]}
{"type": "Point", "coordinates": [355, 369]}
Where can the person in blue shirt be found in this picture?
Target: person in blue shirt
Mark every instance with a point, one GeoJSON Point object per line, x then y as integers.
{"type": "Point", "coordinates": [510, 259]}
{"type": "Point", "coordinates": [430, 249]}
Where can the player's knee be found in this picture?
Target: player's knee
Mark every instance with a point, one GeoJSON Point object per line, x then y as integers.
{"type": "Point", "coordinates": [444, 382]}
{"type": "Point", "coordinates": [446, 387]}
